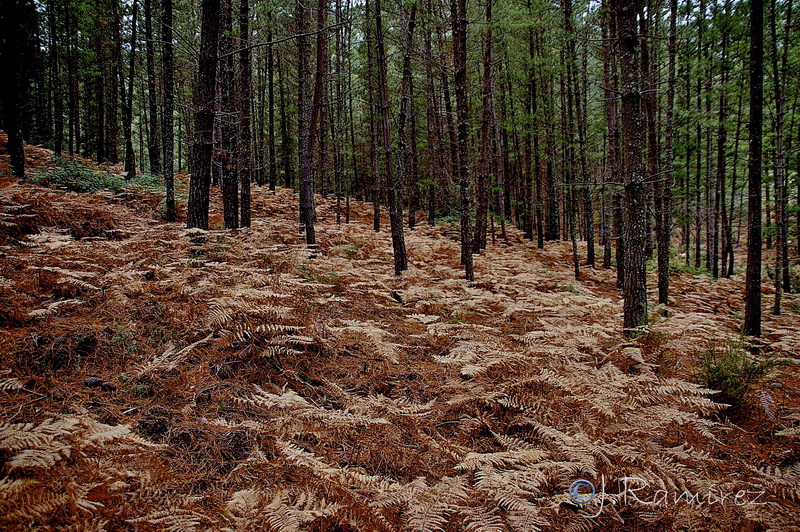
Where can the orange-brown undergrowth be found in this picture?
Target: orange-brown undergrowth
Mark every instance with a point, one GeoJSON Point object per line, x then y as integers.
{"type": "Point", "coordinates": [259, 388]}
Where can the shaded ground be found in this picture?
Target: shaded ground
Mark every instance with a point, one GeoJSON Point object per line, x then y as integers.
{"type": "Point", "coordinates": [250, 386]}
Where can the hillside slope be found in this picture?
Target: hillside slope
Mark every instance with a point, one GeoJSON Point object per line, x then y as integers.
{"type": "Point", "coordinates": [247, 385]}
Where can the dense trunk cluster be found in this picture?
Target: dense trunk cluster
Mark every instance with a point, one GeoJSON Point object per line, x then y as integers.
{"type": "Point", "coordinates": [621, 122]}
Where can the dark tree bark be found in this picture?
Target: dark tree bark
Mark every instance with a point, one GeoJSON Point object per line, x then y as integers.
{"type": "Point", "coordinates": [203, 100]}
{"type": "Point", "coordinates": [127, 121]}
{"type": "Point", "coordinates": [752, 311]}
{"type": "Point", "coordinates": [286, 139]}
{"type": "Point", "coordinates": [459, 14]}
{"type": "Point", "coordinates": [405, 138]}
{"type": "Point", "coordinates": [273, 167]}
{"type": "Point", "coordinates": [435, 160]}
{"type": "Point", "coordinates": [169, 108]}
{"type": "Point", "coordinates": [304, 137]}
{"type": "Point", "coordinates": [244, 162]}
{"type": "Point", "coordinates": [665, 233]}
{"type": "Point", "coordinates": [720, 211]}
{"type": "Point", "coordinates": [482, 206]}
{"type": "Point", "coordinates": [375, 181]}
{"type": "Point", "coordinates": [55, 73]}
{"type": "Point", "coordinates": [734, 176]}
{"type": "Point", "coordinates": [634, 287]}
{"type": "Point", "coordinates": [536, 171]}
{"type": "Point", "coordinates": [319, 112]}
{"type": "Point", "coordinates": [228, 137]}
{"type": "Point", "coordinates": [570, 171]}
{"type": "Point", "coordinates": [17, 49]}
{"type": "Point", "coordinates": [337, 132]}
{"type": "Point", "coordinates": [779, 68]}
{"type": "Point", "coordinates": [610, 79]}
{"type": "Point", "coordinates": [153, 133]}
{"type": "Point", "coordinates": [394, 181]}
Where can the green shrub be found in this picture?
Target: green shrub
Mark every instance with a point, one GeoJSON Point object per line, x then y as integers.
{"type": "Point", "coordinates": [733, 372]}
{"type": "Point", "coordinates": [71, 175]}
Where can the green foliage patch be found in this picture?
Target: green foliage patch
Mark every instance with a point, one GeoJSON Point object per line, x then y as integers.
{"type": "Point", "coordinates": [733, 372]}
{"type": "Point", "coordinates": [72, 175]}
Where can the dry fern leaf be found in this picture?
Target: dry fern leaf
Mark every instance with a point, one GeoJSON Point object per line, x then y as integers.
{"type": "Point", "coordinates": [52, 308]}
{"type": "Point", "coordinates": [170, 358]}
{"type": "Point", "coordinates": [10, 383]}
{"type": "Point", "coordinates": [175, 519]}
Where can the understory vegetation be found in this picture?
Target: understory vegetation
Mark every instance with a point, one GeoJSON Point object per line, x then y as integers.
{"type": "Point", "coordinates": [158, 378]}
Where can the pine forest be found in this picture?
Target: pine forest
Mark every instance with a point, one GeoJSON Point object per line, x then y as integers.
{"type": "Point", "coordinates": [400, 265]}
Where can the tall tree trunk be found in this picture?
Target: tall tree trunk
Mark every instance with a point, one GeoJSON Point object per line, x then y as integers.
{"type": "Point", "coordinates": [752, 312]}
{"type": "Point", "coordinates": [55, 72]}
{"type": "Point", "coordinates": [571, 94]}
{"type": "Point", "coordinates": [394, 181]}
{"type": "Point", "coordinates": [286, 139]}
{"type": "Point", "coordinates": [154, 133]}
{"type": "Point", "coordinates": [273, 166]}
{"type": "Point", "coordinates": [434, 158]}
{"type": "Point", "coordinates": [479, 240]}
{"type": "Point", "coordinates": [665, 233]}
{"type": "Point", "coordinates": [375, 179]}
{"type": "Point", "coordinates": [337, 132]}
{"type": "Point", "coordinates": [405, 157]}
{"type": "Point", "coordinates": [720, 211]}
{"type": "Point", "coordinates": [319, 112]}
{"type": "Point", "coordinates": [17, 19]}
{"type": "Point", "coordinates": [634, 288]}
{"type": "Point", "coordinates": [650, 77]}
{"type": "Point", "coordinates": [130, 156]}
{"type": "Point", "coordinates": [245, 92]}
{"type": "Point", "coordinates": [729, 229]}
{"type": "Point", "coordinates": [169, 108]}
{"type": "Point", "coordinates": [582, 95]}
{"type": "Point", "coordinates": [610, 80]}
{"type": "Point", "coordinates": [203, 144]}
{"type": "Point", "coordinates": [227, 122]}
{"type": "Point", "coordinates": [459, 14]}
{"type": "Point", "coordinates": [304, 138]}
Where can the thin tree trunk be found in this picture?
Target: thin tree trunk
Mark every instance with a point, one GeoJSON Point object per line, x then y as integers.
{"type": "Point", "coordinates": [729, 229]}
{"type": "Point", "coordinates": [169, 108]}
{"type": "Point", "coordinates": [612, 119]}
{"type": "Point", "coordinates": [395, 188]}
{"type": "Point", "coordinates": [405, 139]}
{"type": "Point", "coordinates": [720, 210]}
{"type": "Point", "coordinates": [665, 234]}
{"type": "Point", "coordinates": [319, 112]}
{"type": "Point", "coordinates": [752, 312]}
{"type": "Point", "coordinates": [304, 138]}
{"type": "Point", "coordinates": [227, 123]}
{"type": "Point", "coordinates": [55, 72]}
{"type": "Point", "coordinates": [202, 147]}
{"type": "Point", "coordinates": [459, 14]}
{"type": "Point", "coordinates": [245, 92]}
{"type": "Point", "coordinates": [273, 166]}
{"type": "Point", "coordinates": [481, 210]}
{"type": "Point", "coordinates": [779, 86]}
{"type": "Point", "coordinates": [130, 156]}
{"type": "Point", "coordinates": [373, 122]}
{"type": "Point", "coordinates": [286, 139]}
{"type": "Point", "coordinates": [433, 155]}
{"type": "Point", "coordinates": [153, 135]}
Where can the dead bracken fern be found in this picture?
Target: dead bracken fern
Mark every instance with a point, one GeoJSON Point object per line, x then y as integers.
{"type": "Point", "coordinates": [291, 393]}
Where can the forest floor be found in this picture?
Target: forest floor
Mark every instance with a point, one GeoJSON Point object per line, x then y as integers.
{"type": "Point", "coordinates": [249, 386]}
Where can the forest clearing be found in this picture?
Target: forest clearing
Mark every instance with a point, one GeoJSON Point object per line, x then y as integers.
{"type": "Point", "coordinates": [255, 388]}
